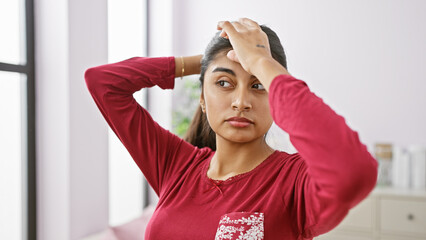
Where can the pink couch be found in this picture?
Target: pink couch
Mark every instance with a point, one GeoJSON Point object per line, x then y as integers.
{"type": "Point", "coordinates": [133, 230]}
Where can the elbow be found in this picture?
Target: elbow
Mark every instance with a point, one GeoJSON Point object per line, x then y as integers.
{"type": "Point", "coordinates": [96, 79]}
{"type": "Point", "coordinates": [91, 76]}
{"type": "Point", "coordinates": [360, 182]}
{"type": "Point", "coordinates": [368, 177]}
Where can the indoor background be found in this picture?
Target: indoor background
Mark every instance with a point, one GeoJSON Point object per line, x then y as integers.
{"type": "Point", "coordinates": [65, 175]}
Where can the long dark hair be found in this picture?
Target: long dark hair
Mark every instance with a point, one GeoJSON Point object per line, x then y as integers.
{"type": "Point", "coordinates": [200, 133]}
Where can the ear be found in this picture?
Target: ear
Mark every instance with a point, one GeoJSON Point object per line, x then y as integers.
{"type": "Point", "coordinates": [202, 102]}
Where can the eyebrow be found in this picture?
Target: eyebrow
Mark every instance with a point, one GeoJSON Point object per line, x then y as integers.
{"type": "Point", "coordinates": [227, 70]}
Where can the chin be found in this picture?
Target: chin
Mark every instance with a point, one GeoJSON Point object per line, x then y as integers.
{"type": "Point", "coordinates": [243, 135]}
{"type": "Point", "coordinates": [241, 138]}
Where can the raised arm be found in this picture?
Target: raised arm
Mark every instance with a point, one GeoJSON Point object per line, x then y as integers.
{"type": "Point", "coordinates": [335, 171]}
{"type": "Point", "coordinates": [156, 151]}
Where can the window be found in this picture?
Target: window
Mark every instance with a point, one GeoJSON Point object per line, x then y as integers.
{"type": "Point", "coordinates": [17, 121]}
{"type": "Point", "coordinates": [126, 181]}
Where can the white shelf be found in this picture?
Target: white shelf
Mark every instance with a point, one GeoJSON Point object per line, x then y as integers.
{"type": "Point", "coordinates": [387, 213]}
{"type": "Point", "coordinates": [399, 192]}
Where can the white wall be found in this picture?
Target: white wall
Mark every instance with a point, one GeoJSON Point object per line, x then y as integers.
{"type": "Point", "coordinates": [161, 39]}
{"type": "Point", "coordinates": [125, 178]}
{"type": "Point", "coordinates": [366, 59]}
{"type": "Point", "coordinates": [71, 135]}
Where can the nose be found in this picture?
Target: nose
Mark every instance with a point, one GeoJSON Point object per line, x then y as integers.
{"type": "Point", "coordinates": [241, 101]}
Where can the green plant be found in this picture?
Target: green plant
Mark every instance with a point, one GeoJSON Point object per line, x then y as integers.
{"type": "Point", "coordinates": [185, 101]}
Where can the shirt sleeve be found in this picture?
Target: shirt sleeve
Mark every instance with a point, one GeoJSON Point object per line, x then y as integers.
{"type": "Point", "coordinates": [156, 151]}
{"type": "Point", "coordinates": [336, 171]}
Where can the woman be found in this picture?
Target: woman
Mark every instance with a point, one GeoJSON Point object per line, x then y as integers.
{"type": "Point", "coordinates": [229, 184]}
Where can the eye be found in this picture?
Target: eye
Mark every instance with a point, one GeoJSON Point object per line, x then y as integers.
{"type": "Point", "coordinates": [258, 86]}
{"type": "Point", "coordinates": [223, 83]}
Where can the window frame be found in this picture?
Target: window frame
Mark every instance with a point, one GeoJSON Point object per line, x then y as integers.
{"type": "Point", "coordinates": [29, 196]}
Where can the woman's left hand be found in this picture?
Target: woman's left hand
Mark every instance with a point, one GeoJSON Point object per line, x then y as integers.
{"type": "Point", "coordinates": [249, 42]}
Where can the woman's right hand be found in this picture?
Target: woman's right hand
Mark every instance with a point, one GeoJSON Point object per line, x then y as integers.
{"type": "Point", "coordinates": [250, 48]}
{"type": "Point", "coordinates": [191, 64]}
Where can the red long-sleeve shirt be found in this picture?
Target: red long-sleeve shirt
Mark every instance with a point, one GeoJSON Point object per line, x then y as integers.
{"type": "Point", "coordinates": [287, 196]}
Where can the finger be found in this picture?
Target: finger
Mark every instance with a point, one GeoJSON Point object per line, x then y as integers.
{"type": "Point", "coordinates": [223, 34]}
{"type": "Point", "coordinates": [233, 56]}
{"type": "Point", "coordinates": [249, 22]}
{"type": "Point", "coordinates": [239, 27]}
{"type": "Point", "coordinates": [227, 27]}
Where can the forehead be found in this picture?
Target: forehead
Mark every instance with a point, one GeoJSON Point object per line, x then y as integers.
{"type": "Point", "coordinates": [222, 61]}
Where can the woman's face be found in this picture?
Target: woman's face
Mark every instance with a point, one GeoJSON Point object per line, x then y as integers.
{"type": "Point", "coordinates": [228, 92]}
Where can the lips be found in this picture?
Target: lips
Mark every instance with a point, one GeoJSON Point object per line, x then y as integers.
{"type": "Point", "coordinates": [239, 122]}
{"type": "Point", "coordinates": [239, 119]}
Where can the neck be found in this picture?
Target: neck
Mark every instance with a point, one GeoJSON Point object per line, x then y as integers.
{"type": "Point", "coordinates": [233, 158]}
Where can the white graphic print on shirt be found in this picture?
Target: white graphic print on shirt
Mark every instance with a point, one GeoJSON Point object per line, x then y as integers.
{"type": "Point", "coordinates": [241, 225]}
